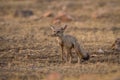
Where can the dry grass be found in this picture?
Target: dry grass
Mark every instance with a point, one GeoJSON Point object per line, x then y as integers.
{"type": "Point", "coordinates": [28, 53]}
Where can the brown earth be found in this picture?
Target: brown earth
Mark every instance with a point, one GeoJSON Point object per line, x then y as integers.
{"type": "Point", "coordinates": [27, 52]}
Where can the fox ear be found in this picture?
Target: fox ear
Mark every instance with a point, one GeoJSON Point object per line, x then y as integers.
{"type": "Point", "coordinates": [52, 27]}
{"type": "Point", "coordinates": [64, 27]}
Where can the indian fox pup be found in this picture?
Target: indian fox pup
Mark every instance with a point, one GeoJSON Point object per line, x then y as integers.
{"type": "Point", "coordinates": [116, 44]}
{"type": "Point", "coordinates": [68, 42]}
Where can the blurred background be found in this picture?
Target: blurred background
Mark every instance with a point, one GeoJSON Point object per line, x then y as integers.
{"type": "Point", "coordinates": [27, 52]}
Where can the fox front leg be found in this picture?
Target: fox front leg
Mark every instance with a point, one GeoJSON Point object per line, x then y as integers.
{"type": "Point", "coordinates": [68, 56]}
{"type": "Point", "coordinates": [62, 54]}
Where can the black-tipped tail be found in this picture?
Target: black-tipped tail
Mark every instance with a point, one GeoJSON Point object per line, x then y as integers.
{"type": "Point", "coordinates": [86, 57]}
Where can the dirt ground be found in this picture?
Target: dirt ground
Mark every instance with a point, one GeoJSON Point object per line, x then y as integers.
{"type": "Point", "coordinates": [27, 52]}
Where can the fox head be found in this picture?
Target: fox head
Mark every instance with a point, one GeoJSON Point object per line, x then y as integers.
{"type": "Point", "coordinates": [58, 32]}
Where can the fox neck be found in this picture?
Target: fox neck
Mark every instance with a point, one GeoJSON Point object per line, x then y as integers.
{"type": "Point", "coordinates": [60, 36]}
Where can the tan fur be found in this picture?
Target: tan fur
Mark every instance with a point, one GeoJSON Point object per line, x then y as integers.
{"type": "Point", "coordinates": [67, 43]}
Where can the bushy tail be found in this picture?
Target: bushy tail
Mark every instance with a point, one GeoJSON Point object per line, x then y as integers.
{"type": "Point", "coordinates": [84, 55]}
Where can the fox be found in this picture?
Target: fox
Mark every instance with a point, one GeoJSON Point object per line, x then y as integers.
{"type": "Point", "coordinates": [116, 45]}
{"type": "Point", "coordinates": [67, 44]}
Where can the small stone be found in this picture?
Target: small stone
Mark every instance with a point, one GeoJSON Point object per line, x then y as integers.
{"type": "Point", "coordinates": [100, 51]}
